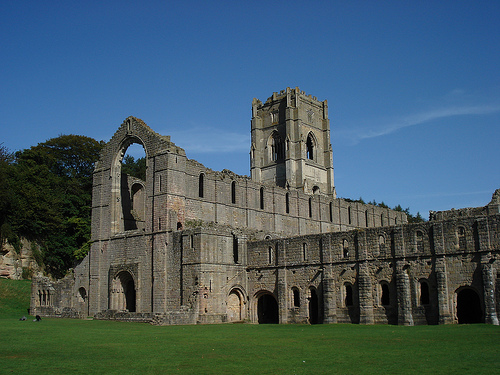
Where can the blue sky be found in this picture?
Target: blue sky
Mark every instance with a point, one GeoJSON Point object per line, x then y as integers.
{"type": "Point", "coordinates": [413, 87]}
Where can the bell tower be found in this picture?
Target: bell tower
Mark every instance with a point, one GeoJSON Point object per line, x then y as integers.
{"type": "Point", "coordinates": [291, 143]}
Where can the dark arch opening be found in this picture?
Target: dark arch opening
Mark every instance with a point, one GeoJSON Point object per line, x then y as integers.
{"type": "Point", "coordinates": [267, 309]}
{"type": "Point", "coordinates": [424, 293]}
{"type": "Point", "coordinates": [386, 298]}
{"type": "Point", "coordinates": [310, 147]}
{"type": "Point", "coordinates": [469, 307]}
{"type": "Point", "coordinates": [313, 307]}
{"type": "Point", "coordinates": [348, 295]}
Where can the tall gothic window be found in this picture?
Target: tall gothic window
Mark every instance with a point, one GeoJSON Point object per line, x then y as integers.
{"type": "Point", "coordinates": [310, 147]}
{"type": "Point", "coordinates": [277, 147]}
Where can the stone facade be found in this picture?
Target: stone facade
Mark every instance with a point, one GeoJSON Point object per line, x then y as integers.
{"type": "Point", "coordinates": [190, 245]}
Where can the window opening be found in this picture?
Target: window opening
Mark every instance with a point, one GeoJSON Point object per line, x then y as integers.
{"type": "Point", "coordinates": [304, 251]}
{"type": "Point", "coordinates": [201, 181]}
{"type": "Point", "coordinates": [296, 297]}
{"type": "Point", "coordinates": [310, 207]}
{"type": "Point", "coordinates": [261, 198]}
{"type": "Point", "coordinates": [310, 147]}
{"type": "Point", "coordinates": [345, 248]}
{"type": "Point", "coordinates": [287, 203]}
{"type": "Point", "coordinates": [233, 192]}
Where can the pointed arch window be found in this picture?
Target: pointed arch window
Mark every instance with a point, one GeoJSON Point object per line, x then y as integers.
{"type": "Point", "coordinates": [277, 147]}
{"type": "Point", "coordinates": [310, 147]}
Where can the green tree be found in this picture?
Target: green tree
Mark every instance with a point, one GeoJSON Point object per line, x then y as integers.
{"type": "Point", "coordinates": [53, 197]}
{"type": "Point", "coordinates": [135, 168]}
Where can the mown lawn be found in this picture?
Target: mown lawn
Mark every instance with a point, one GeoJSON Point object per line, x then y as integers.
{"type": "Point", "coordinates": [62, 346]}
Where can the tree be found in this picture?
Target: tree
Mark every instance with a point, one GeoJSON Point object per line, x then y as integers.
{"type": "Point", "coordinates": [53, 197]}
{"type": "Point", "coordinates": [135, 168]}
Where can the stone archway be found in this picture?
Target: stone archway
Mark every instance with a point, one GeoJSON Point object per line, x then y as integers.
{"type": "Point", "coordinates": [267, 309]}
{"type": "Point", "coordinates": [235, 304]}
{"type": "Point", "coordinates": [123, 293]}
{"type": "Point", "coordinates": [469, 307]}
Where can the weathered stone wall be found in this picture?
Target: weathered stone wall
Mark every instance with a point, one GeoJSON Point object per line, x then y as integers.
{"type": "Point", "coordinates": [190, 245]}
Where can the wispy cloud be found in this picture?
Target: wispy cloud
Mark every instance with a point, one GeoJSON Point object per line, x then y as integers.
{"type": "Point", "coordinates": [199, 139]}
{"type": "Point", "coordinates": [358, 134]}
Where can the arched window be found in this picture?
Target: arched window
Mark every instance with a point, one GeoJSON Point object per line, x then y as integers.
{"type": "Point", "coordinates": [287, 203]}
{"type": "Point", "coordinates": [381, 244]}
{"type": "Point", "coordinates": [310, 147]}
{"type": "Point", "coordinates": [419, 241]}
{"type": "Point", "coordinates": [276, 147]}
{"type": "Point", "coordinates": [316, 190]}
{"type": "Point", "coordinates": [345, 248]}
{"type": "Point", "coordinates": [462, 242]}
{"type": "Point", "coordinates": [201, 181]}
{"type": "Point", "coordinates": [348, 295]}
{"type": "Point", "coordinates": [233, 192]}
{"type": "Point", "coordinates": [261, 198]}
{"type": "Point", "coordinates": [296, 297]}
{"type": "Point", "coordinates": [424, 293]}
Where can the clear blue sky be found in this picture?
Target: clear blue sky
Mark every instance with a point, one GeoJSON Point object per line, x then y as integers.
{"type": "Point", "coordinates": [413, 87]}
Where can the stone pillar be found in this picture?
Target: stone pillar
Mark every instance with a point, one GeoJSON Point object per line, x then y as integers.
{"type": "Point", "coordinates": [365, 294]}
{"type": "Point", "coordinates": [282, 294]}
{"type": "Point", "coordinates": [329, 303]}
{"type": "Point", "coordinates": [489, 294]}
{"type": "Point", "coordinates": [405, 316]}
{"type": "Point", "coordinates": [442, 291]}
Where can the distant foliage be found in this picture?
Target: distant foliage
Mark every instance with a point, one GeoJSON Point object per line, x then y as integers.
{"type": "Point", "coordinates": [135, 168]}
{"type": "Point", "coordinates": [50, 188]}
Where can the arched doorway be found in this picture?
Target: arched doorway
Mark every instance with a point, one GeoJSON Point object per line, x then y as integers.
{"type": "Point", "coordinates": [122, 293]}
{"type": "Point", "coordinates": [313, 307]}
{"type": "Point", "coordinates": [469, 307]}
{"type": "Point", "coordinates": [267, 309]}
{"type": "Point", "coordinates": [235, 306]}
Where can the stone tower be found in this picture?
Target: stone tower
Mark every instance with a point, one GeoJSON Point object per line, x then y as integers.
{"type": "Point", "coordinates": [291, 143]}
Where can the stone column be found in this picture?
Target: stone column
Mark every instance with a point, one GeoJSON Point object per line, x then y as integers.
{"type": "Point", "coordinates": [365, 294]}
{"type": "Point", "coordinates": [282, 294]}
{"type": "Point", "coordinates": [405, 316]}
{"type": "Point", "coordinates": [442, 291]}
{"type": "Point", "coordinates": [489, 294]}
{"type": "Point", "coordinates": [329, 303]}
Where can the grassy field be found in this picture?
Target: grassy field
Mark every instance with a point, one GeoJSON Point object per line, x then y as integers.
{"type": "Point", "coordinates": [61, 346]}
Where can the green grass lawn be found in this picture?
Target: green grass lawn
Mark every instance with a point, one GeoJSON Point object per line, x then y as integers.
{"type": "Point", "coordinates": [62, 346]}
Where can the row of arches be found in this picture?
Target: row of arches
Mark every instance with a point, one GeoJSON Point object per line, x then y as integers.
{"type": "Point", "coordinates": [277, 147]}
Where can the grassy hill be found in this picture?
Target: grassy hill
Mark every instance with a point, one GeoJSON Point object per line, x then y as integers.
{"type": "Point", "coordinates": [14, 298]}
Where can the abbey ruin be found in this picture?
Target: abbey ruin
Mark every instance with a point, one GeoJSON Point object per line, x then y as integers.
{"type": "Point", "coordinates": [190, 245]}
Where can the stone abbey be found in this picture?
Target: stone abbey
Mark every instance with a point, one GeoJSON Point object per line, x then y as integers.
{"type": "Point", "coordinates": [190, 245]}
